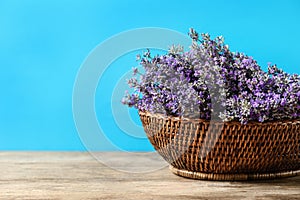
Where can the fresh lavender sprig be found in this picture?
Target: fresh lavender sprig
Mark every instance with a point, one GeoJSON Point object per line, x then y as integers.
{"type": "Point", "coordinates": [209, 81]}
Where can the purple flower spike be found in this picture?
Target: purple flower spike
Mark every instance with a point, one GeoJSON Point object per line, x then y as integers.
{"type": "Point", "coordinates": [188, 83]}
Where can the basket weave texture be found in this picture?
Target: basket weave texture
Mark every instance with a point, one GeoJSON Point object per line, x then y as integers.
{"type": "Point", "coordinates": [198, 148]}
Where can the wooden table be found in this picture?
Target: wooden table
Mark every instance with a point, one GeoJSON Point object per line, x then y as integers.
{"type": "Point", "coordinates": [78, 175]}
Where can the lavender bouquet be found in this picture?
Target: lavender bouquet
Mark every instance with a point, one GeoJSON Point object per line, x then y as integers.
{"type": "Point", "coordinates": [211, 82]}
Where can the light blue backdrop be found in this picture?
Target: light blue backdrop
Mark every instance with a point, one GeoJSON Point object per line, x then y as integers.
{"type": "Point", "coordinates": [43, 43]}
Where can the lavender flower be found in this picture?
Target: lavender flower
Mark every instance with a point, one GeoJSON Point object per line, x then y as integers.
{"type": "Point", "coordinates": [209, 81]}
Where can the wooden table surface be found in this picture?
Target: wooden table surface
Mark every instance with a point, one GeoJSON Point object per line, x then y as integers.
{"type": "Point", "coordinates": [78, 175]}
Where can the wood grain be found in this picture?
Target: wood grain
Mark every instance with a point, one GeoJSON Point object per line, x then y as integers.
{"type": "Point", "coordinates": [78, 175]}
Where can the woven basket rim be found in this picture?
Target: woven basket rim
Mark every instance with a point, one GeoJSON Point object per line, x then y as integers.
{"type": "Point", "coordinates": [162, 116]}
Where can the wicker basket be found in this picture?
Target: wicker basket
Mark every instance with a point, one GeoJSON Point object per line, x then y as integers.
{"type": "Point", "coordinates": [201, 149]}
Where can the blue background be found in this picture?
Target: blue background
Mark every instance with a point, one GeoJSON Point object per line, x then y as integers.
{"type": "Point", "coordinates": [43, 43]}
